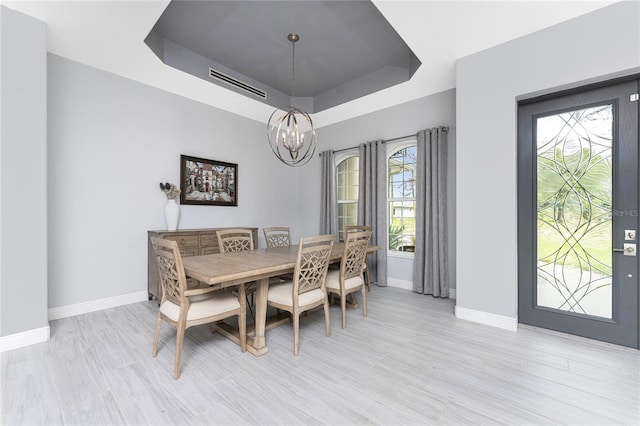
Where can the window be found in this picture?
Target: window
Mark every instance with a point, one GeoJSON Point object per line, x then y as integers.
{"type": "Point", "coordinates": [347, 174]}
{"type": "Point", "coordinates": [401, 169]}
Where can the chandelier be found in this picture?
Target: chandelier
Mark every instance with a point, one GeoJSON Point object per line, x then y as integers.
{"type": "Point", "coordinates": [291, 133]}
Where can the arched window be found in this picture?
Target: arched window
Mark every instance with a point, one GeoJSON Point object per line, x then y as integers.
{"type": "Point", "coordinates": [401, 195]}
{"type": "Point", "coordinates": [347, 175]}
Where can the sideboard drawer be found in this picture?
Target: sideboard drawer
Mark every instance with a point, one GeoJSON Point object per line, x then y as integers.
{"type": "Point", "coordinates": [184, 241]}
{"type": "Point", "coordinates": [189, 251]}
{"type": "Point", "coordinates": [209, 250]}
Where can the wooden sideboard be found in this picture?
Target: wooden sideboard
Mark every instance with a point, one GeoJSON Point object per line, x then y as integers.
{"type": "Point", "coordinates": [192, 242]}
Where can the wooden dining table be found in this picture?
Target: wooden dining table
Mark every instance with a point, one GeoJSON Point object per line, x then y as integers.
{"type": "Point", "coordinates": [225, 270]}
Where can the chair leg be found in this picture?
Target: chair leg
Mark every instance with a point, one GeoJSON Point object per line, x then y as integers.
{"type": "Point", "coordinates": [156, 336]}
{"type": "Point", "coordinates": [243, 299]}
{"type": "Point", "coordinates": [242, 327]}
{"type": "Point", "coordinates": [367, 279]}
{"type": "Point", "coordinates": [296, 333]}
{"type": "Point", "coordinates": [364, 302]}
{"type": "Point", "coordinates": [327, 324]}
{"type": "Point", "coordinates": [343, 308]}
{"type": "Point", "coordinates": [179, 342]}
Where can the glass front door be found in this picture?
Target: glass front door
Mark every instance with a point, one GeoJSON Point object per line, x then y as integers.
{"type": "Point", "coordinates": [578, 209]}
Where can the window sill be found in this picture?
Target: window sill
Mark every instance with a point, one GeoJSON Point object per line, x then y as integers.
{"type": "Point", "coordinates": [400, 254]}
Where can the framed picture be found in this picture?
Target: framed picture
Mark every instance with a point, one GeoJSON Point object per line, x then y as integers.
{"type": "Point", "coordinates": [208, 182]}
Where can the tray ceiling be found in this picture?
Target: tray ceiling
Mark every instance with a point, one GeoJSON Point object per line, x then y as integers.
{"type": "Point", "coordinates": [109, 35]}
{"type": "Point", "coordinates": [347, 49]}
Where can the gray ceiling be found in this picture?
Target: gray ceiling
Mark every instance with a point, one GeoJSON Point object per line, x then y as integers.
{"type": "Point", "coordinates": [109, 36]}
{"type": "Point", "coordinates": [347, 49]}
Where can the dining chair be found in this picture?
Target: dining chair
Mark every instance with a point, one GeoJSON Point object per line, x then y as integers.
{"type": "Point", "coordinates": [236, 240]}
{"type": "Point", "coordinates": [365, 269]}
{"type": "Point", "coordinates": [277, 236]}
{"type": "Point", "coordinates": [307, 289]}
{"type": "Point", "coordinates": [183, 308]}
{"type": "Point", "coordinates": [349, 278]}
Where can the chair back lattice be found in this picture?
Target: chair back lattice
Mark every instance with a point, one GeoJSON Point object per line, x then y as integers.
{"type": "Point", "coordinates": [234, 240]}
{"type": "Point", "coordinates": [277, 237]}
{"type": "Point", "coordinates": [173, 281]}
{"type": "Point", "coordinates": [355, 253]}
{"type": "Point", "coordinates": [312, 263]}
{"type": "Point", "coordinates": [356, 228]}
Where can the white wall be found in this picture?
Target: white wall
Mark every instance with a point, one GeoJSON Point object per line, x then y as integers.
{"type": "Point", "coordinates": [595, 46]}
{"type": "Point", "coordinates": [23, 181]}
{"type": "Point", "coordinates": [111, 141]}
{"type": "Point", "coordinates": [400, 120]}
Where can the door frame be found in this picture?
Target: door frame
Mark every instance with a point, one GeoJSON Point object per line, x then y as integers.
{"type": "Point", "coordinates": [528, 313]}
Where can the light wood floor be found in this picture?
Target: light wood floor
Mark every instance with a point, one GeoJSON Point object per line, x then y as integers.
{"type": "Point", "coordinates": [409, 362]}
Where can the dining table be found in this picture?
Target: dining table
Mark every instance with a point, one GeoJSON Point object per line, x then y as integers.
{"type": "Point", "coordinates": [225, 270]}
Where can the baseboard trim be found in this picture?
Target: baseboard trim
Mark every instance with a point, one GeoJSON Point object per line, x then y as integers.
{"type": "Point", "coordinates": [25, 338]}
{"type": "Point", "coordinates": [486, 318]}
{"type": "Point", "coordinates": [408, 285]}
{"type": "Point", "coordinates": [97, 305]}
{"type": "Point", "coordinates": [403, 284]}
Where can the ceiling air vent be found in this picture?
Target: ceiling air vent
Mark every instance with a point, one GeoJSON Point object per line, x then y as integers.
{"type": "Point", "coordinates": [237, 83]}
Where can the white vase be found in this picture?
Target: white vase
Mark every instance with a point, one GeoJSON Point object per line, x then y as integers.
{"type": "Point", "coordinates": [171, 214]}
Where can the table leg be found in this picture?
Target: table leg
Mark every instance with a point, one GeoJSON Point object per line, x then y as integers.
{"type": "Point", "coordinates": [258, 346]}
{"type": "Point", "coordinates": [352, 302]}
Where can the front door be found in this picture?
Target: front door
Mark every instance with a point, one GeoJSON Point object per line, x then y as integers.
{"type": "Point", "coordinates": [578, 213]}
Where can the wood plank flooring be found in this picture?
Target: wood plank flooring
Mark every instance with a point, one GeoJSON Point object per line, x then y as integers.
{"type": "Point", "coordinates": [409, 362]}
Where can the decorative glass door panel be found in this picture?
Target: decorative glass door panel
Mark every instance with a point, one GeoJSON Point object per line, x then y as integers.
{"type": "Point", "coordinates": [578, 213]}
{"type": "Point", "coordinates": [574, 205]}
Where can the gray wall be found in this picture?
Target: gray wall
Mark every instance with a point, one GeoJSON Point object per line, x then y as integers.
{"type": "Point", "coordinates": [111, 141]}
{"type": "Point", "coordinates": [401, 120]}
{"type": "Point", "coordinates": [598, 45]}
{"type": "Point", "coordinates": [23, 173]}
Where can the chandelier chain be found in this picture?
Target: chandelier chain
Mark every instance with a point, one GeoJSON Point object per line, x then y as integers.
{"type": "Point", "coordinates": [293, 73]}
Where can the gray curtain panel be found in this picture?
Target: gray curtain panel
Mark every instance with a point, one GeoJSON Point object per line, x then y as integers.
{"type": "Point", "coordinates": [372, 204]}
{"type": "Point", "coordinates": [329, 200]}
{"type": "Point", "coordinates": [430, 267]}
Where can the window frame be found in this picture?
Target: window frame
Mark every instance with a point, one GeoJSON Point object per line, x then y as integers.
{"type": "Point", "coordinates": [339, 158]}
{"type": "Point", "coordinates": [392, 148]}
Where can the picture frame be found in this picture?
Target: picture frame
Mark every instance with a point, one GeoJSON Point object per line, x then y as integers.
{"type": "Point", "coordinates": [208, 182]}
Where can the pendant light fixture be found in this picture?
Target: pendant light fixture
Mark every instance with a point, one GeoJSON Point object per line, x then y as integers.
{"type": "Point", "coordinates": [291, 134]}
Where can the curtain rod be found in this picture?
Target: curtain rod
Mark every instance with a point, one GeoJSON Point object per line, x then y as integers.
{"type": "Point", "coordinates": [443, 128]}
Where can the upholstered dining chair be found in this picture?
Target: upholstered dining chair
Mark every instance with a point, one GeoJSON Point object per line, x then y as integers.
{"type": "Point", "coordinates": [183, 308]}
{"type": "Point", "coordinates": [307, 290]}
{"type": "Point", "coordinates": [277, 236]}
{"type": "Point", "coordinates": [234, 240]}
{"type": "Point", "coordinates": [365, 269]}
{"type": "Point", "coordinates": [349, 278]}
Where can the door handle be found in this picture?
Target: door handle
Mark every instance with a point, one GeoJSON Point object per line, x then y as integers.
{"type": "Point", "coordinates": [628, 250]}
